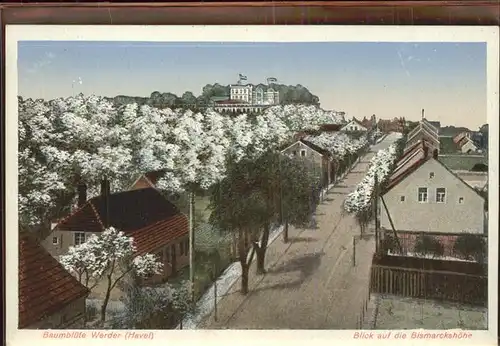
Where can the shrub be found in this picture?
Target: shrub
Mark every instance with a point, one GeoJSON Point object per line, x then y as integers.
{"type": "Point", "coordinates": [428, 245]}
{"type": "Point", "coordinates": [389, 243]}
{"type": "Point", "coordinates": [471, 247]}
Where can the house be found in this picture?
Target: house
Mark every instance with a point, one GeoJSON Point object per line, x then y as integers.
{"type": "Point", "coordinates": [320, 157]}
{"type": "Point", "coordinates": [423, 195]}
{"type": "Point", "coordinates": [467, 146]}
{"type": "Point", "coordinates": [458, 138]}
{"type": "Point", "coordinates": [354, 126]}
{"type": "Point", "coordinates": [157, 226]}
{"type": "Point", "coordinates": [424, 131]}
{"type": "Point", "coordinates": [49, 296]}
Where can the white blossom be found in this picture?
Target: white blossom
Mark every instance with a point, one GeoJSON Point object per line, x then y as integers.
{"type": "Point", "coordinates": [101, 252]}
{"type": "Point", "coordinates": [380, 165]}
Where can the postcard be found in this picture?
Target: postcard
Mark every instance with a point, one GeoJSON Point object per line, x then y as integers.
{"type": "Point", "coordinates": [261, 183]}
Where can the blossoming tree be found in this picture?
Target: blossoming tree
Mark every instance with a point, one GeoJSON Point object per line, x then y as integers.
{"type": "Point", "coordinates": [110, 256]}
{"type": "Point", "coordinates": [359, 201]}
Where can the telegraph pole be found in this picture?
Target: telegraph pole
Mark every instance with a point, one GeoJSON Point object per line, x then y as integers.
{"type": "Point", "coordinates": [191, 247]}
{"type": "Point", "coordinates": [376, 214]}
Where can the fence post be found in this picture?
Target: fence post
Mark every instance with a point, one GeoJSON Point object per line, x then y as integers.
{"type": "Point", "coordinates": [353, 251]}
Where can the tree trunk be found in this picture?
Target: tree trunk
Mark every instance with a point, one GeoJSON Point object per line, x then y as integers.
{"type": "Point", "coordinates": [244, 278]}
{"type": "Point", "coordinates": [106, 300]}
{"type": "Point", "coordinates": [261, 256]}
{"type": "Point", "coordinates": [261, 250]}
{"type": "Point", "coordinates": [285, 232]}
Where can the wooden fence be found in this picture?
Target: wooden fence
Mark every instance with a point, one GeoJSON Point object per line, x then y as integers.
{"type": "Point", "coordinates": [464, 288]}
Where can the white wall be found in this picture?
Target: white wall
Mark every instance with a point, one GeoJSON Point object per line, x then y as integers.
{"type": "Point", "coordinates": [451, 216]}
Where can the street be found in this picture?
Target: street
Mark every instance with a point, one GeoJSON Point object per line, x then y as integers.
{"type": "Point", "coordinates": [311, 282]}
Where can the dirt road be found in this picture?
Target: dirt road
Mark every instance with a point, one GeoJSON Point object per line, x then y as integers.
{"type": "Point", "coordinates": [311, 281]}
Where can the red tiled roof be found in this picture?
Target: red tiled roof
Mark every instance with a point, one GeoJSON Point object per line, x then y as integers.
{"type": "Point", "coordinates": [45, 287]}
{"type": "Point", "coordinates": [83, 218]}
{"type": "Point", "coordinates": [157, 235]}
{"type": "Point", "coordinates": [405, 173]}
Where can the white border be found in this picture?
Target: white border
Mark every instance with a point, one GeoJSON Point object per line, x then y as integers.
{"type": "Point", "coordinates": [15, 33]}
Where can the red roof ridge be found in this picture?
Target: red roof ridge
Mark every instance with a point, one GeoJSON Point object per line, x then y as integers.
{"type": "Point", "coordinates": [97, 215]}
{"type": "Point", "coordinates": [67, 217]}
{"type": "Point", "coordinates": [406, 173]}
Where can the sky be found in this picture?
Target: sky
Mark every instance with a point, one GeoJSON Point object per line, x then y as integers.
{"type": "Point", "coordinates": [389, 80]}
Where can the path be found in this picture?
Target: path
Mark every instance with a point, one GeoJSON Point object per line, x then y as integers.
{"type": "Point", "coordinates": [311, 281]}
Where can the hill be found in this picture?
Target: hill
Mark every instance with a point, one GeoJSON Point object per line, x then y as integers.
{"type": "Point", "coordinates": [452, 130]}
{"type": "Point", "coordinates": [289, 94]}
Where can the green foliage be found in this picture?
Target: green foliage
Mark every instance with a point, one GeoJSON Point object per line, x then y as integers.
{"type": "Point", "coordinates": [289, 94]}
{"type": "Point", "coordinates": [428, 245]}
{"type": "Point", "coordinates": [256, 192]}
{"type": "Point", "coordinates": [152, 307]}
{"type": "Point", "coordinates": [471, 247]}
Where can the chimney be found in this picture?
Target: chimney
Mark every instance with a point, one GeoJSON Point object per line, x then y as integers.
{"type": "Point", "coordinates": [105, 192]}
{"type": "Point", "coordinates": [82, 194]}
{"type": "Point", "coordinates": [423, 116]}
{"type": "Point", "coordinates": [105, 187]}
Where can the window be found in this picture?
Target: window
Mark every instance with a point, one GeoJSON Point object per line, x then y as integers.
{"type": "Point", "coordinates": [302, 152]}
{"type": "Point", "coordinates": [181, 248]}
{"type": "Point", "coordinates": [440, 195]}
{"type": "Point", "coordinates": [422, 194]}
{"type": "Point", "coordinates": [294, 153]}
{"type": "Point", "coordinates": [431, 175]}
{"type": "Point", "coordinates": [460, 200]}
{"type": "Point", "coordinates": [402, 198]}
{"type": "Point", "coordinates": [159, 256]}
{"type": "Point", "coordinates": [79, 238]}
{"type": "Point", "coordinates": [55, 240]}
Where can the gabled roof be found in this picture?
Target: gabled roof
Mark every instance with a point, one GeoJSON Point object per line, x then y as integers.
{"type": "Point", "coordinates": [418, 152]}
{"type": "Point", "coordinates": [408, 171]}
{"type": "Point", "coordinates": [312, 146]}
{"type": "Point", "coordinates": [45, 287]}
{"type": "Point", "coordinates": [467, 140]}
{"type": "Point", "coordinates": [128, 211]}
{"type": "Point", "coordinates": [432, 136]}
{"type": "Point", "coordinates": [353, 120]}
{"type": "Point", "coordinates": [435, 124]}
